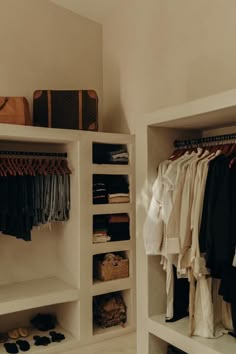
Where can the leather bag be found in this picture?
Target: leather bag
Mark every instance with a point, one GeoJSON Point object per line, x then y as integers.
{"type": "Point", "coordinates": [76, 109]}
{"type": "Point", "coordinates": [14, 110]}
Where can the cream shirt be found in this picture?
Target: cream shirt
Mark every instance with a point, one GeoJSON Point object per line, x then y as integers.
{"type": "Point", "coordinates": [153, 230]}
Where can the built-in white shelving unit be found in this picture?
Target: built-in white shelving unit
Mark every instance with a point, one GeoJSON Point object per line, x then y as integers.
{"type": "Point", "coordinates": [54, 272]}
{"type": "Point", "coordinates": [155, 134]}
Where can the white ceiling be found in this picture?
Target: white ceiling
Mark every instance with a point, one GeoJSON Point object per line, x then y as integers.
{"type": "Point", "coordinates": [96, 10]}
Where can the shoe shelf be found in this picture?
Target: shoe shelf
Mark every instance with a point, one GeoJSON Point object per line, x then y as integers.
{"type": "Point", "coordinates": [177, 334]}
{"type": "Point", "coordinates": [35, 293]}
{"type": "Point", "coordinates": [68, 343]}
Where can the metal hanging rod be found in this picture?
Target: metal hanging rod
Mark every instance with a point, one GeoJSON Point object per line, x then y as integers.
{"type": "Point", "coordinates": [36, 154]}
{"type": "Point", "coordinates": [201, 141]}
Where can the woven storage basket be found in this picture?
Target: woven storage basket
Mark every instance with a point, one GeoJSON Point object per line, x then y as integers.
{"type": "Point", "coordinates": [105, 271]}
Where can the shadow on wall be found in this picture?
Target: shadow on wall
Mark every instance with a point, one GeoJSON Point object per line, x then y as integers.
{"type": "Point", "coordinates": [114, 116]}
{"type": "Point", "coordinates": [115, 120]}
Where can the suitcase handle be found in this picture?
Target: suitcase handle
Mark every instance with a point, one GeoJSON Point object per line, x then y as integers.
{"type": "Point", "coordinates": [4, 103]}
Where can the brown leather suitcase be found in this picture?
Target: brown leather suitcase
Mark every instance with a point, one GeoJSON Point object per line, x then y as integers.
{"type": "Point", "coordinates": [76, 109]}
{"type": "Point", "coordinates": [14, 110]}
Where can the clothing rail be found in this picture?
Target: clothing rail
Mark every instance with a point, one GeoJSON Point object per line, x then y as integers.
{"type": "Point", "coordinates": [202, 141]}
{"type": "Point", "coordinates": [36, 154]}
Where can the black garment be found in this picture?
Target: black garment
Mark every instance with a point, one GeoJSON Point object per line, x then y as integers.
{"type": "Point", "coordinates": [181, 297]}
{"type": "Point", "coordinates": [119, 231]}
{"type": "Point", "coordinates": [100, 222]}
{"type": "Point", "coordinates": [233, 212]}
{"type": "Point", "coordinates": [117, 184]}
{"type": "Point", "coordinates": [218, 227]}
{"type": "Point", "coordinates": [18, 219]}
{"type": "Point", "coordinates": [215, 224]}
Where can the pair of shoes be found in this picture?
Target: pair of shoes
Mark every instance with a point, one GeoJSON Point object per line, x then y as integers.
{"type": "Point", "coordinates": [18, 332]}
{"type": "Point", "coordinates": [57, 337]}
{"type": "Point", "coordinates": [44, 341]}
{"type": "Point", "coordinates": [13, 349]}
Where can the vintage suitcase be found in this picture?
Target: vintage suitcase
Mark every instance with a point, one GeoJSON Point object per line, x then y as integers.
{"type": "Point", "coordinates": [66, 109]}
{"type": "Point", "coordinates": [14, 110]}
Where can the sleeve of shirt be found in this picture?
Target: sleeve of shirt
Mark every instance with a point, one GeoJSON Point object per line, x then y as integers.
{"type": "Point", "coordinates": [185, 212]}
{"type": "Point", "coordinates": [153, 229]}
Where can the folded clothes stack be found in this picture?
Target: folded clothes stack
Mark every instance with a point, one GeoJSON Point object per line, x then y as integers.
{"type": "Point", "coordinates": [120, 157]}
{"type": "Point", "coordinates": [100, 229]}
{"type": "Point", "coordinates": [118, 190]}
{"type": "Point", "coordinates": [110, 154]}
{"type": "Point", "coordinates": [118, 227]}
{"type": "Point", "coordinates": [99, 193]}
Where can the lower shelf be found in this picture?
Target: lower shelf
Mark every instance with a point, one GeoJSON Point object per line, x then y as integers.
{"type": "Point", "coordinates": [35, 293]}
{"type": "Point", "coordinates": [68, 343]}
{"type": "Point", "coordinates": [177, 334]}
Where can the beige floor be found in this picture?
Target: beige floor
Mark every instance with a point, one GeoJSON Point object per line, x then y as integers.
{"type": "Point", "coordinates": [121, 345]}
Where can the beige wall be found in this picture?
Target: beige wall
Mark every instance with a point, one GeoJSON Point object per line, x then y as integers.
{"type": "Point", "coordinates": [45, 46]}
{"type": "Point", "coordinates": [164, 52]}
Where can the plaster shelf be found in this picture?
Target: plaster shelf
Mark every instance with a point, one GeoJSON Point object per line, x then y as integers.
{"type": "Point", "coordinates": [35, 293]}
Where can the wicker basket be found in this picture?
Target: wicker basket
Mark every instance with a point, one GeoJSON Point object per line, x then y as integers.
{"type": "Point", "coordinates": [105, 271]}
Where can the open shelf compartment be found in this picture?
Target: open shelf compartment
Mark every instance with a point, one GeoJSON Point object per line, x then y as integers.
{"type": "Point", "coordinates": [110, 154]}
{"type": "Point", "coordinates": [120, 328]}
{"type": "Point", "coordinates": [63, 325]}
{"type": "Point", "coordinates": [116, 269]}
{"type": "Point", "coordinates": [115, 226]}
{"type": "Point", "coordinates": [111, 189]}
{"type": "Point", "coordinates": [34, 293]}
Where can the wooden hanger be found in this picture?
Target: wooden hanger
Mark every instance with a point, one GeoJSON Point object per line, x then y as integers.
{"type": "Point", "coordinates": [2, 170]}
{"type": "Point", "coordinates": [64, 164]}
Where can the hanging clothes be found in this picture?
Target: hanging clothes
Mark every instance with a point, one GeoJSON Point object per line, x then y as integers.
{"type": "Point", "coordinates": [34, 191]}
{"type": "Point", "coordinates": [191, 223]}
